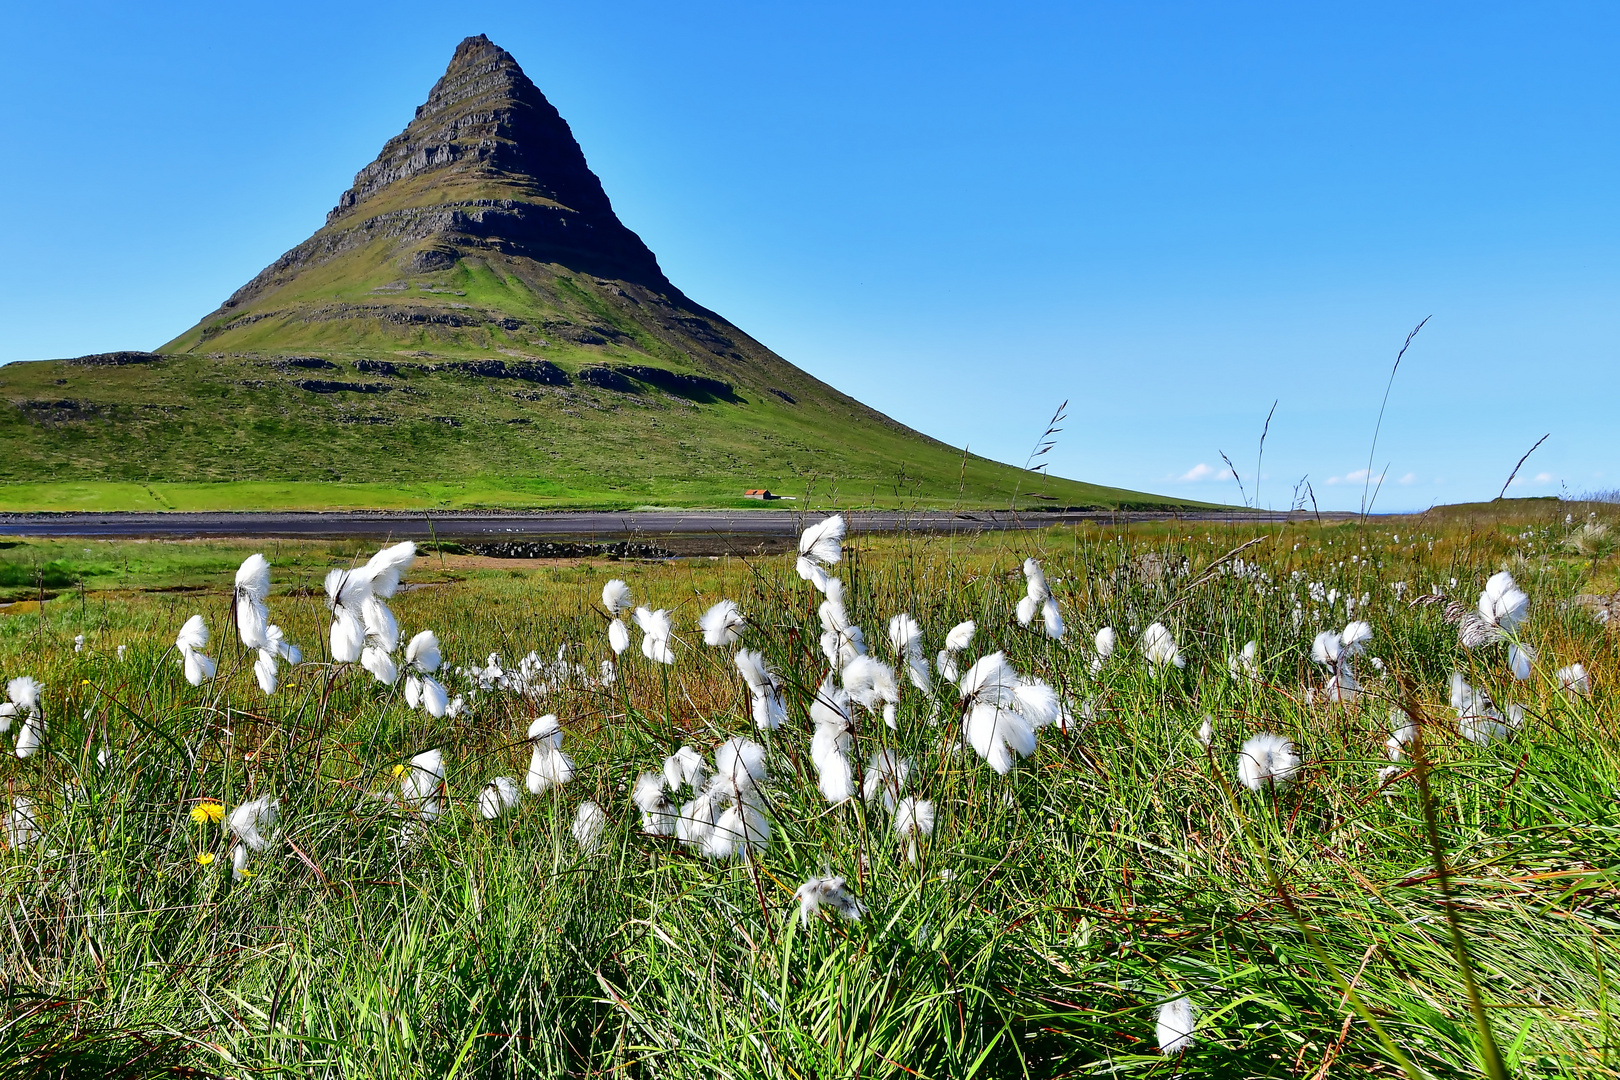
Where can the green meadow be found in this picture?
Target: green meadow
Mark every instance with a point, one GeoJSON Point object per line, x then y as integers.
{"type": "Point", "coordinates": [1446, 914]}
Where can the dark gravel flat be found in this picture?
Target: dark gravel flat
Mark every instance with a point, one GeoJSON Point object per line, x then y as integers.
{"type": "Point", "coordinates": [685, 531]}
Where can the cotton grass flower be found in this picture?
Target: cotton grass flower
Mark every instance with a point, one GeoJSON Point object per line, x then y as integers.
{"type": "Point", "coordinates": [658, 813]}
{"type": "Point", "coordinates": [886, 776]}
{"type": "Point", "coordinates": [1245, 664]}
{"type": "Point", "coordinates": [616, 597]}
{"type": "Point", "coordinates": [871, 684]}
{"type": "Point", "coordinates": [422, 658]}
{"type": "Point", "coordinates": [254, 825]}
{"type": "Point", "coordinates": [821, 546]}
{"type": "Point", "coordinates": [420, 780]}
{"type": "Point", "coordinates": [764, 689]}
{"type": "Point", "coordinates": [721, 624]}
{"type": "Point", "coordinates": [589, 822]}
{"type": "Point", "coordinates": [1503, 604]}
{"type": "Point", "coordinates": [958, 639]}
{"type": "Point", "coordinates": [1478, 719]}
{"type": "Point", "coordinates": [1105, 643]}
{"type": "Point", "coordinates": [656, 629]}
{"type": "Point", "coordinates": [193, 637]}
{"type": "Point", "coordinates": [1267, 761]}
{"type": "Point", "coordinates": [1004, 711]}
{"type": "Point", "coordinates": [548, 765]}
{"type": "Point", "coordinates": [1572, 680]}
{"type": "Point", "coordinates": [1038, 600]}
{"type": "Point", "coordinates": [1159, 647]}
{"type": "Point", "coordinates": [1176, 1022]}
{"type": "Point", "coordinates": [22, 823]}
{"type": "Point", "coordinates": [1520, 657]}
{"type": "Point", "coordinates": [685, 767]}
{"type": "Point", "coordinates": [360, 618]}
{"type": "Point", "coordinates": [78, 643]}
{"type": "Point", "coordinates": [905, 637]}
{"type": "Point", "coordinates": [830, 893]}
{"type": "Point", "coordinates": [23, 693]}
{"type": "Point", "coordinates": [498, 797]}
{"type": "Point", "coordinates": [1334, 650]}
{"type": "Point", "coordinates": [830, 745]}
{"type": "Point", "coordinates": [252, 589]}
{"type": "Point", "coordinates": [913, 820]}
{"type": "Point", "coordinates": [1402, 732]}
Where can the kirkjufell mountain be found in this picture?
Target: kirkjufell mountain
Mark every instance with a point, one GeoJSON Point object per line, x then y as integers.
{"type": "Point", "coordinates": [473, 320]}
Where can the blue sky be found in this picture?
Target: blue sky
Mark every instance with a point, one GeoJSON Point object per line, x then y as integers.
{"type": "Point", "coordinates": [1168, 214]}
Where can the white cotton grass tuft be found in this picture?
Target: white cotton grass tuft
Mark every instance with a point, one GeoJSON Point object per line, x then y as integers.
{"type": "Point", "coordinates": [651, 797]}
{"type": "Point", "coordinates": [499, 797]}
{"type": "Point", "coordinates": [616, 597]}
{"type": "Point", "coordinates": [821, 546]}
{"type": "Point", "coordinates": [1245, 664]}
{"type": "Point", "coordinates": [740, 764]}
{"type": "Point", "coordinates": [830, 745]}
{"type": "Point", "coordinates": [22, 824]}
{"type": "Point", "coordinates": [1334, 649]}
{"type": "Point", "coordinates": [1402, 732]}
{"type": "Point", "coordinates": [253, 823]}
{"type": "Point", "coordinates": [905, 637]}
{"type": "Point", "coordinates": [356, 596]}
{"type": "Point", "coordinates": [1572, 680]}
{"type": "Point", "coordinates": [191, 640]}
{"type": "Point", "coordinates": [1176, 1022]}
{"type": "Point", "coordinates": [1004, 711]}
{"type": "Point", "coordinates": [958, 639]}
{"type": "Point", "coordinates": [886, 776]}
{"type": "Point", "coordinates": [1159, 647]}
{"type": "Point", "coordinates": [1503, 605]}
{"type": "Point", "coordinates": [252, 589]}
{"type": "Point", "coordinates": [422, 690]}
{"type": "Point", "coordinates": [548, 766]}
{"type": "Point", "coordinates": [381, 665]}
{"type": "Point", "coordinates": [656, 630]}
{"type": "Point", "coordinates": [764, 689]}
{"type": "Point", "coordinates": [1520, 657]}
{"type": "Point", "coordinates": [1206, 732]}
{"type": "Point", "coordinates": [23, 692]}
{"type": "Point", "coordinates": [685, 767]}
{"type": "Point", "coordinates": [721, 624]}
{"type": "Point", "coordinates": [830, 893]}
{"type": "Point", "coordinates": [871, 684]}
{"type": "Point", "coordinates": [1478, 719]}
{"type": "Point", "coordinates": [589, 823]}
{"type": "Point", "coordinates": [419, 783]}
{"type": "Point", "coordinates": [1038, 599]}
{"type": "Point", "coordinates": [1267, 761]}
{"type": "Point", "coordinates": [913, 820]}
{"type": "Point", "coordinates": [618, 636]}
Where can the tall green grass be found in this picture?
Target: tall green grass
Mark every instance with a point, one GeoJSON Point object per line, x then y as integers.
{"type": "Point", "coordinates": [1047, 918]}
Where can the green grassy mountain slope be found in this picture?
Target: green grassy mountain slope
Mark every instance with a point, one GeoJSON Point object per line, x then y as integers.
{"type": "Point", "coordinates": [474, 322]}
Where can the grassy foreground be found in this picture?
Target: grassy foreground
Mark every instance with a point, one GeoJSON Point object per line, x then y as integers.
{"type": "Point", "coordinates": [1046, 919]}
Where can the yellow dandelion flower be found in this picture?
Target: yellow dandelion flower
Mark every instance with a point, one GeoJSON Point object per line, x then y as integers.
{"type": "Point", "coordinates": [207, 813]}
{"type": "Point", "coordinates": [205, 858]}
{"type": "Point", "coordinates": [399, 770]}
{"type": "Point", "coordinates": [245, 874]}
{"type": "Point", "coordinates": [85, 683]}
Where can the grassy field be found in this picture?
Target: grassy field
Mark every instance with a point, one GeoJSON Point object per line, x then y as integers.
{"type": "Point", "coordinates": [1332, 926]}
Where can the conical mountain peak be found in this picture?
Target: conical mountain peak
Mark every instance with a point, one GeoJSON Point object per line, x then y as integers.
{"type": "Point", "coordinates": [484, 118]}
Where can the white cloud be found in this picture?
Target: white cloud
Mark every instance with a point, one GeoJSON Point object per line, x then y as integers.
{"type": "Point", "coordinates": [1409, 478]}
{"type": "Point", "coordinates": [1359, 476]}
{"type": "Point", "coordinates": [1202, 471]}
{"type": "Point", "coordinates": [1541, 478]}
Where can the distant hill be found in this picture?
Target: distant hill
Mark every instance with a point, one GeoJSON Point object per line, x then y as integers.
{"type": "Point", "coordinates": [474, 314]}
